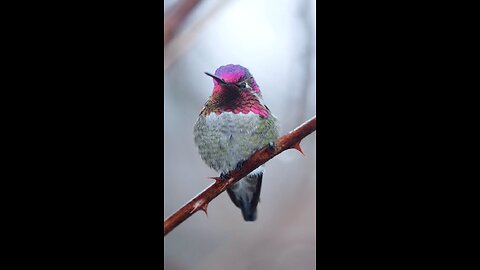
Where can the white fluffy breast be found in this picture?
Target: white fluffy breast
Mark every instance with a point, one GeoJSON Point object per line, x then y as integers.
{"type": "Point", "coordinates": [224, 140]}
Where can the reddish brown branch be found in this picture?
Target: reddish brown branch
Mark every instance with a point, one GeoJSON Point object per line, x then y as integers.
{"type": "Point", "coordinates": [175, 17]}
{"type": "Point", "coordinates": [200, 202]}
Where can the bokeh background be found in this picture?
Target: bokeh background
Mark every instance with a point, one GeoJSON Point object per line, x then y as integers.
{"type": "Point", "coordinates": [276, 41]}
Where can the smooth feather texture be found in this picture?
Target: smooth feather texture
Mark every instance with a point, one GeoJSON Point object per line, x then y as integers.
{"type": "Point", "coordinates": [245, 194]}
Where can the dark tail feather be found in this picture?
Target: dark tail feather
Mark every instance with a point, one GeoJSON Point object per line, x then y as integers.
{"type": "Point", "coordinates": [250, 184]}
{"type": "Point", "coordinates": [249, 213]}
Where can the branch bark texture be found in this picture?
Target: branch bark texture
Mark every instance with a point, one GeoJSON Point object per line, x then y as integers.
{"type": "Point", "coordinates": [200, 202]}
{"type": "Point", "coordinates": [175, 17]}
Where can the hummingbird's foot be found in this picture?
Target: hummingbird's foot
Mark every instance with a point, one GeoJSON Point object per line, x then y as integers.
{"type": "Point", "coordinates": [240, 164]}
{"type": "Point", "coordinates": [225, 176]}
{"type": "Point", "coordinates": [271, 146]}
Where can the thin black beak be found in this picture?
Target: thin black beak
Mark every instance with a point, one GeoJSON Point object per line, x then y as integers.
{"type": "Point", "coordinates": [218, 79]}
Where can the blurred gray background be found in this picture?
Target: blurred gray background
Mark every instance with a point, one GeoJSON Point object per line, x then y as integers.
{"type": "Point", "coordinates": [275, 40]}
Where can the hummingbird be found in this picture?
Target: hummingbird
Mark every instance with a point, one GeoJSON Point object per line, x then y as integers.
{"type": "Point", "coordinates": [232, 125]}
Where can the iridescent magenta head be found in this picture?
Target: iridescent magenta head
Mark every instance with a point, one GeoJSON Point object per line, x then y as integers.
{"type": "Point", "coordinates": [233, 76]}
{"type": "Point", "coordinates": [235, 91]}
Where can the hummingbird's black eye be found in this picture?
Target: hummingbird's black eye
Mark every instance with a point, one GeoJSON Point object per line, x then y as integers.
{"type": "Point", "coordinates": [242, 85]}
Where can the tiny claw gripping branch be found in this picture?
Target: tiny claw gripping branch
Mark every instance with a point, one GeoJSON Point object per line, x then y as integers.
{"type": "Point", "coordinates": [200, 202]}
{"type": "Point", "coordinates": [224, 176]}
{"type": "Point", "coordinates": [271, 146]}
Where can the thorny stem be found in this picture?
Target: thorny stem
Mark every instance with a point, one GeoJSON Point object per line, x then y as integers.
{"type": "Point", "coordinates": [200, 202]}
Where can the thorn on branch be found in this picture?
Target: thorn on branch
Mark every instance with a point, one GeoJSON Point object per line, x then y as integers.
{"type": "Point", "coordinates": [200, 202]}
{"type": "Point", "coordinates": [297, 146]}
{"type": "Point", "coordinates": [217, 179]}
{"type": "Point", "coordinates": [204, 208]}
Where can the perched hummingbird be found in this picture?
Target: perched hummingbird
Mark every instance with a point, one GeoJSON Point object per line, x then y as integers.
{"type": "Point", "coordinates": [232, 125]}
